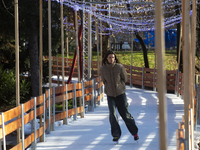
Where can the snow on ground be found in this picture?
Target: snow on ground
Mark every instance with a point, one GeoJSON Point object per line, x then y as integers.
{"type": "Point", "coordinates": [93, 131]}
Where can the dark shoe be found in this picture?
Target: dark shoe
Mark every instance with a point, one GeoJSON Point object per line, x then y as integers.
{"type": "Point", "coordinates": [115, 139]}
{"type": "Point", "coordinates": [136, 137]}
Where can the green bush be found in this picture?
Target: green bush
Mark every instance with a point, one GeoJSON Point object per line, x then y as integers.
{"type": "Point", "coordinates": [8, 88]}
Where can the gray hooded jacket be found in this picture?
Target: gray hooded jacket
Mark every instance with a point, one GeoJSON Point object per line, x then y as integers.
{"type": "Point", "coordinates": [114, 77]}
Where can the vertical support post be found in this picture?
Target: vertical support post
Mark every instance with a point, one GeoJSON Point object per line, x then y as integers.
{"type": "Point", "coordinates": [54, 110]}
{"type": "Point", "coordinates": [49, 39]}
{"type": "Point", "coordinates": [75, 102]}
{"type": "Point", "coordinates": [44, 115]}
{"type": "Point", "coordinates": [91, 102]}
{"type": "Point", "coordinates": [22, 108]}
{"type": "Point", "coordinates": [77, 47]}
{"type": "Point", "coordinates": [99, 91]}
{"type": "Point", "coordinates": [35, 123]}
{"type": "Point", "coordinates": [3, 130]}
{"type": "Point", "coordinates": [66, 107]}
{"type": "Point", "coordinates": [83, 97]}
{"type": "Point", "coordinates": [58, 77]}
{"type": "Point", "coordinates": [94, 92]}
{"type": "Point", "coordinates": [49, 99]}
{"type": "Point", "coordinates": [143, 78]}
{"type": "Point", "coordinates": [101, 43]}
{"type": "Point", "coordinates": [175, 90]}
{"type": "Point", "coordinates": [131, 60]}
{"type": "Point", "coordinates": [89, 44]}
{"type": "Point", "coordinates": [109, 26]}
{"type": "Point", "coordinates": [97, 44]}
{"type": "Point", "coordinates": [41, 57]}
{"type": "Point", "coordinates": [186, 67]}
{"type": "Point", "coordinates": [160, 51]}
{"type": "Point", "coordinates": [17, 62]}
{"type": "Point", "coordinates": [41, 49]}
{"type": "Point", "coordinates": [154, 79]}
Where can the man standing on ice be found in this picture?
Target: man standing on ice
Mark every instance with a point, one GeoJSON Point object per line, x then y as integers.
{"type": "Point", "coordinates": [114, 77]}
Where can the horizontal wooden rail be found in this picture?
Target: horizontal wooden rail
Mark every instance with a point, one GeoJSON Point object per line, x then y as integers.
{"type": "Point", "coordinates": [11, 120]}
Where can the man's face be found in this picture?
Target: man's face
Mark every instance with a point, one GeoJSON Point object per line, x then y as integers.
{"type": "Point", "coordinates": [111, 58]}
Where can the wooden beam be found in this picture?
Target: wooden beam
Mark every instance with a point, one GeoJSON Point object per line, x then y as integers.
{"type": "Point", "coordinates": [186, 66]}
{"type": "Point", "coordinates": [160, 51]}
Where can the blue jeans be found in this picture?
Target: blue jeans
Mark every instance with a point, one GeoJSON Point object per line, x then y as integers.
{"type": "Point", "coordinates": [120, 102]}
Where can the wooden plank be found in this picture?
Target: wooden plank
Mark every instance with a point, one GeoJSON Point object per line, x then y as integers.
{"type": "Point", "coordinates": [12, 113]}
{"type": "Point", "coordinates": [80, 109]}
{"type": "Point", "coordinates": [70, 95]}
{"type": "Point", "coordinates": [71, 112]}
{"type": "Point", "coordinates": [88, 90]}
{"type": "Point", "coordinates": [28, 105]}
{"type": "Point", "coordinates": [136, 68]}
{"type": "Point", "coordinates": [13, 126]}
{"type": "Point", "coordinates": [148, 70]}
{"type": "Point", "coordinates": [60, 89]}
{"type": "Point", "coordinates": [70, 87]}
{"type": "Point", "coordinates": [79, 93]}
{"type": "Point", "coordinates": [148, 75]}
{"type": "Point", "coordinates": [1, 133]}
{"type": "Point", "coordinates": [60, 116]}
{"type": "Point", "coordinates": [17, 147]}
{"type": "Point", "coordinates": [88, 83]}
{"type": "Point", "coordinates": [171, 72]}
{"type": "Point", "coordinates": [46, 124]}
{"type": "Point", "coordinates": [148, 84]}
{"type": "Point", "coordinates": [88, 97]}
{"type": "Point", "coordinates": [61, 98]}
{"type": "Point", "coordinates": [78, 86]}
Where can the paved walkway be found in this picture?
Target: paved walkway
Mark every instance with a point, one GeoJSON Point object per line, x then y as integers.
{"type": "Point", "coordinates": [93, 131]}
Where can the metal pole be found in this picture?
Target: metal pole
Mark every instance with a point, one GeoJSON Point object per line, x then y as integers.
{"type": "Point", "coordinates": [67, 45]}
{"type": "Point", "coordinates": [49, 39]}
{"type": "Point", "coordinates": [41, 48]}
{"type": "Point", "coordinates": [17, 61]}
{"type": "Point", "coordinates": [41, 56]}
{"type": "Point", "coordinates": [101, 42]}
{"type": "Point", "coordinates": [186, 68]}
{"type": "Point", "coordinates": [89, 45]}
{"type": "Point", "coordinates": [62, 41]}
{"type": "Point", "coordinates": [192, 72]}
{"type": "Point", "coordinates": [77, 48]}
{"type": "Point", "coordinates": [22, 109]}
{"type": "Point", "coordinates": [131, 60]}
{"type": "Point", "coordinates": [97, 44]}
{"type": "Point", "coordinates": [160, 51]}
{"type": "Point", "coordinates": [62, 50]}
{"type": "Point", "coordinates": [109, 26]}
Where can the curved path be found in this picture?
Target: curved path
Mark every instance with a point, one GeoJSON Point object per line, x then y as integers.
{"type": "Point", "coordinates": [93, 131]}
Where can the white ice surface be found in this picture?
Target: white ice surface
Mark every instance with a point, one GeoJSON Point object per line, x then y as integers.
{"type": "Point", "coordinates": [93, 131]}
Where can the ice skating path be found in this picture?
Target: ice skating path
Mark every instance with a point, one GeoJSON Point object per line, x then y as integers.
{"type": "Point", "coordinates": [93, 131]}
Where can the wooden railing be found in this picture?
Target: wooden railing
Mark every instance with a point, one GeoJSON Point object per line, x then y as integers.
{"type": "Point", "coordinates": [137, 76]}
{"type": "Point", "coordinates": [193, 118]}
{"type": "Point", "coordinates": [89, 93]}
